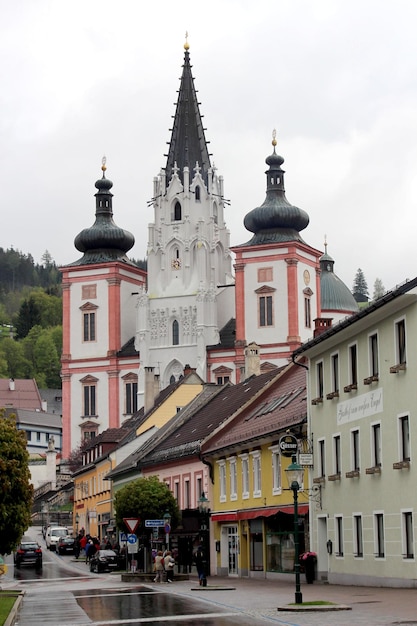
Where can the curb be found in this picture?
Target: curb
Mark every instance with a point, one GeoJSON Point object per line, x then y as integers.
{"type": "Point", "coordinates": [10, 620]}
{"type": "Point", "coordinates": [294, 608]}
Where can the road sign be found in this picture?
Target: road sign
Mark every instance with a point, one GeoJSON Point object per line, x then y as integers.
{"type": "Point", "coordinates": [123, 537]}
{"type": "Point", "coordinates": [131, 523]}
{"type": "Point", "coordinates": [167, 528]}
{"type": "Point", "coordinates": [132, 538]}
{"type": "Point", "coordinates": [151, 523]}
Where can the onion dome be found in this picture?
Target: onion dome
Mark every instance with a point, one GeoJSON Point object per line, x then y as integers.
{"type": "Point", "coordinates": [104, 241]}
{"type": "Point", "coordinates": [335, 295]}
{"type": "Point", "coordinates": [276, 220]}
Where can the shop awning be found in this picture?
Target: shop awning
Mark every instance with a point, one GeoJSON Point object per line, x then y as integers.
{"type": "Point", "coordinates": [234, 516]}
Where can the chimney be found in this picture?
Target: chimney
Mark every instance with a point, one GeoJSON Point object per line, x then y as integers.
{"type": "Point", "coordinates": [252, 360]}
{"type": "Point", "coordinates": [11, 384]}
{"type": "Point", "coordinates": [151, 388]}
{"type": "Point", "coordinates": [321, 324]}
{"type": "Point", "coordinates": [188, 369]}
{"type": "Point", "coordinates": [44, 406]}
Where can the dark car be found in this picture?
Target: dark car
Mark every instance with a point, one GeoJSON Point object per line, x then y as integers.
{"type": "Point", "coordinates": [66, 545]}
{"type": "Point", "coordinates": [28, 552]}
{"type": "Point", "coordinates": [104, 561]}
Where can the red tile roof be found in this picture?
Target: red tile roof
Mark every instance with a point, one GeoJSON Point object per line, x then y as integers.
{"type": "Point", "coordinates": [24, 396]}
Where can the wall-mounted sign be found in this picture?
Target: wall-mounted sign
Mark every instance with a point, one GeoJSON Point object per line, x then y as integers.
{"type": "Point", "coordinates": [288, 445]}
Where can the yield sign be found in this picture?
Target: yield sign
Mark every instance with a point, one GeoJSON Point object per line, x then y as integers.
{"type": "Point", "coordinates": [132, 523]}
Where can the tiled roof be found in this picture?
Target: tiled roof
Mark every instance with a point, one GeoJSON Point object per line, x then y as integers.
{"type": "Point", "coordinates": [283, 405]}
{"type": "Point", "coordinates": [24, 396]}
{"type": "Point", "coordinates": [187, 439]}
{"type": "Point", "coordinates": [128, 349]}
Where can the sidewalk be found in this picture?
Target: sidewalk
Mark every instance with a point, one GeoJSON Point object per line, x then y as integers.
{"type": "Point", "coordinates": [370, 606]}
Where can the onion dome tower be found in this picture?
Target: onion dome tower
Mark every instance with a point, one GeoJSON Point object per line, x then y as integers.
{"type": "Point", "coordinates": [276, 220]}
{"type": "Point", "coordinates": [336, 297]}
{"type": "Point", "coordinates": [104, 241]}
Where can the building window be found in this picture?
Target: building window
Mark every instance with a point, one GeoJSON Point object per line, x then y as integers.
{"type": "Point", "coordinates": [276, 470]}
{"type": "Point", "coordinates": [408, 535]}
{"type": "Point", "coordinates": [256, 466]}
{"type": "Point", "coordinates": [319, 379]}
{"type": "Point", "coordinates": [357, 536]}
{"type": "Point", "coordinates": [177, 491]}
{"type": "Point", "coordinates": [186, 503]}
{"type": "Point", "coordinates": [177, 212]}
{"type": "Point", "coordinates": [197, 193]}
{"type": "Point", "coordinates": [89, 400]}
{"type": "Point", "coordinates": [233, 478]}
{"type": "Point", "coordinates": [353, 364]}
{"type": "Point", "coordinates": [89, 326]}
{"type": "Point", "coordinates": [131, 397]}
{"type": "Point", "coordinates": [265, 275]}
{"type": "Point", "coordinates": [307, 312]}
{"type": "Point", "coordinates": [38, 436]}
{"type": "Point", "coordinates": [400, 342]}
{"type": "Point", "coordinates": [355, 453]}
{"type": "Point", "coordinates": [88, 433]}
{"type": "Point", "coordinates": [199, 487]}
{"type": "Point", "coordinates": [336, 454]}
{"type": "Point", "coordinates": [379, 535]}
{"type": "Point", "coordinates": [28, 435]}
{"type": "Point", "coordinates": [373, 355]}
{"type": "Point", "coordinates": [404, 438]}
{"type": "Point", "coordinates": [339, 535]}
{"type": "Point", "coordinates": [221, 380]}
{"type": "Point", "coordinates": [222, 481]}
{"type": "Point", "coordinates": [245, 475]}
{"type": "Point", "coordinates": [175, 333]}
{"type": "Point", "coordinates": [335, 372]}
{"type": "Point", "coordinates": [265, 310]}
{"type": "Point", "coordinates": [376, 445]}
{"type": "Point", "coordinates": [322, 458]}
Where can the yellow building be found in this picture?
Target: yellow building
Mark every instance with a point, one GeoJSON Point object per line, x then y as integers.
{"type": "Point", "coordinates": [252, 507]}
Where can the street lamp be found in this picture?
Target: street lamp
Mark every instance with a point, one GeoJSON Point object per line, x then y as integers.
{"type": "Point", "coordinates": [77, 521]}
{"type": "Point", "coordinates": [167, 526]}
{"type": "Point", "coordinates": [295, 473]}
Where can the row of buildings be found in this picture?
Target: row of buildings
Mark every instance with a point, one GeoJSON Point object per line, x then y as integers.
{"type": "Point", "coordinates": [198, 369]}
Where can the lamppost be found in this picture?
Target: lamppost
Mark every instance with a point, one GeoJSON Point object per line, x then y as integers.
{"type": "Point", "coordinates": [295, 473]}
{"type": "Point", "coordinates": [167, 526]}
{"type": "Point", "coordinates": [77, 521]}
{"type": "Point", "coordinates": [204, 510]}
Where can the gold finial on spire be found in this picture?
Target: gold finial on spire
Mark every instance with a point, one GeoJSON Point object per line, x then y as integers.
{"type": "Point", "coordinates": [103, 164]}
{"type": "Point", "coordinates": [274, 138]}
{"type": "Point", "coordinates": [186, 45]}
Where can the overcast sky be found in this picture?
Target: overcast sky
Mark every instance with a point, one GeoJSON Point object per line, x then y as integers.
{"type": "Point", "coordinates": [338, 81]}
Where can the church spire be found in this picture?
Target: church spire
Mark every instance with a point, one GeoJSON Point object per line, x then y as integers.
{"type": "Point", "coordinates": [188, 146]}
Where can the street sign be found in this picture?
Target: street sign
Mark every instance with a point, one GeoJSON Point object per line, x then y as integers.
{"type": "Point", "coordinates": [132, 538]}
{"type": "Point", "coordinates": [167, 528]}
{"type": "Point", "coordinates": [155, 532]}
{"type": "Point", "coordinates": [288, 445]}
{"type": "Point", "coordinates": [132, 523]}
{"type": "Point", "coordinates": [151, 523]}
{"type": "Point", "coordinates": [123, 537]}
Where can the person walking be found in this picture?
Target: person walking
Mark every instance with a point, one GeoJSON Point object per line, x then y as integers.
{"type": "Point", "coordinates": [169, 563]}
{"type": "Point", "coordinates": [200, 561]}
{"type": "Point", "coordinates": [159, 567]}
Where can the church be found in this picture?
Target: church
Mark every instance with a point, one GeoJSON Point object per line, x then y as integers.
{"type": "Point", "coordinates": [201, 304]}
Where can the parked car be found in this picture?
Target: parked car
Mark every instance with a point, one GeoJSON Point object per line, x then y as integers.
{"type": "Point", "coordinates": [53, 535]}
{"type": "Point", "coordinates": [104, 561]}
{"type": "Point", "coordinates": [66, 545]}
{"type": "Point", "coordinates": [28, 552]}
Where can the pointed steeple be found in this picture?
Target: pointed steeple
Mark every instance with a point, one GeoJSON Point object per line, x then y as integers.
{"type": "Point", "coordinates": [188, 146]}
{"type": "Point", "coordinates": [276, 220]}
{"type": "Point", "coordinates": [104, 241]}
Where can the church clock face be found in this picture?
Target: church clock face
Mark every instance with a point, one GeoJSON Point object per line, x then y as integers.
{"type": "Point", "coordinates": [306, 276]}
{"type": "Point", "coordinates": [176, 264]}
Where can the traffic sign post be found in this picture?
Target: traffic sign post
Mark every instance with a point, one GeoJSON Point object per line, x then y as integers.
{"type": "Point", "coordinates": [154, 523]}
{"type": "Point", "coordinates": [131, 523]}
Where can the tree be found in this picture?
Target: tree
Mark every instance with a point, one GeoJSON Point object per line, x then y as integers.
{"type": "Point", "coordinates": [360, 287]}
{"type": "Point", "coordinates": [16, 492]}
{"type": "Point", "coordinates": [379, 289]}
{"type": "Point", "coordinates": [145, 498]}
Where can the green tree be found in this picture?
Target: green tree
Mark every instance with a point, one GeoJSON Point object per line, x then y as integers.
{"type": "Point", "coordinates": [360, 287]}
{"type": "Point", "coordinates": [16, 492]}
{"type": "Point", "coordinates": [145, 498]}
{"type": "Point", "coordinates": [379, 289]}
{"type": "Point", "coordinates": [18, 366]}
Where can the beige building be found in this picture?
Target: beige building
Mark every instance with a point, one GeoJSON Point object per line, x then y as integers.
{"type": "Point", "coordinates": [362, 413]}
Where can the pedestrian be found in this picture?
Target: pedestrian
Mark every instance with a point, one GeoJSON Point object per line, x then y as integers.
{"type": "Point", "coordinates": [200, 561]}
{"type": "Point", "coordinates": [159, 567]}
{"type": "Point", "coordinates": [83, 542]}
{"type": "Point", "coordinates": [77, 547]}
{"type": "Point", "coordinates": [169, 563]}
{"type": "Point", "coordinates": [90, 549]}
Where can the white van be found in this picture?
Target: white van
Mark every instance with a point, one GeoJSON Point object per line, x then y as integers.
{"type": "Point", "coordinates": [53, 535]}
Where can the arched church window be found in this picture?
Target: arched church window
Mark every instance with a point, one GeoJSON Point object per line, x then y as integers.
{"type": "Point", "coordinates": [197, 193]}
{"type": "Point", "coordinates": [172, 379]}
{"type": "Point", "coordinates": [175, 333]}
{"type": "Point", "coordinates": [177, 212]}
